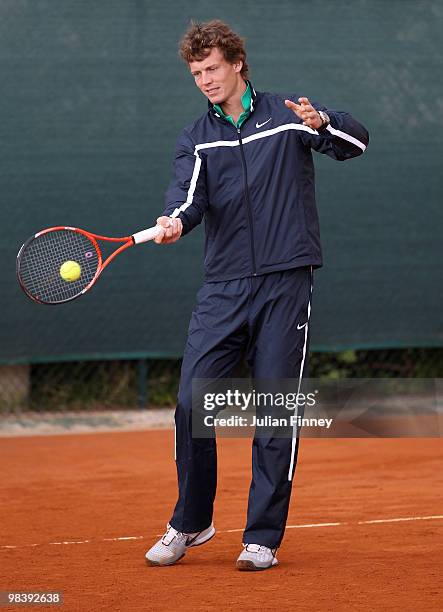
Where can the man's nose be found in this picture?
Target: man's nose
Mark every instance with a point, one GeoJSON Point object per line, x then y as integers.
{"type": "Point", "coordinates": [206, 78]}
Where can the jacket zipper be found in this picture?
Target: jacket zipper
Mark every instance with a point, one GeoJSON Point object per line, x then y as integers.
{"type": "Point", "coordinates": [248, 204]}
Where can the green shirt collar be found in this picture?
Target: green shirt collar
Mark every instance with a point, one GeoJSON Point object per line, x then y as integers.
{"type": "Point", "coordinates": [246, 102]}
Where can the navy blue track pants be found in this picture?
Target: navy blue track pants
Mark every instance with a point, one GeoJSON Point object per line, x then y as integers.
{"type": "Point", "coordinates": [266, 319]}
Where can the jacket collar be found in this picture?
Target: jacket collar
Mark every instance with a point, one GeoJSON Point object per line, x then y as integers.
{"type": "Point", "coordinates": [252, 106]}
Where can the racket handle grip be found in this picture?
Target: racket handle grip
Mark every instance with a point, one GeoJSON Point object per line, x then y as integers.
{"type": "Point", "coordinates": [146, 235]}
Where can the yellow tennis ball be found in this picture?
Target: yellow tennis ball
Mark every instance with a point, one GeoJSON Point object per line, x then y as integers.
{"type": "Point", "coordinates": [70, 271]}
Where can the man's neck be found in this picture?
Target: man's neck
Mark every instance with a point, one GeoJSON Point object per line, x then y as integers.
{"type": "Point", "coordinates": [234, 106]}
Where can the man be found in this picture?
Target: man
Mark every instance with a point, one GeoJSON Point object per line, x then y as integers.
{"type": "Point", "coordinates": [246, 167]}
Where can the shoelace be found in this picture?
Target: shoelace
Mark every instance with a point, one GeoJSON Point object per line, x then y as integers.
{"type": "Point", "coordinates": [172, 533]}
{"type": "Point", "coordinates": [258, 548]}
{"type": "Point", "coordinates": [255, 548]}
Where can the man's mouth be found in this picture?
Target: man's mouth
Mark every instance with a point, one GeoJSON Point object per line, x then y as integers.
{"type": "Point", "coordinates": [211, 92]}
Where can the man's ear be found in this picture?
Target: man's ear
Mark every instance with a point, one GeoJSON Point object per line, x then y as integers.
{"type": "Point", "coordinates": [238, 66]}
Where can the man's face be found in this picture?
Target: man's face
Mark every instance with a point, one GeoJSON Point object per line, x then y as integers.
{"type": "Point", "coordinates": [215, 77]}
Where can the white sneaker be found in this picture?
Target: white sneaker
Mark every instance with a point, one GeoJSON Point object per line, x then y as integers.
{"type": "Point", "coordinates": [256, 557]}
{"type": "Point", "coordinates": [173, 545]}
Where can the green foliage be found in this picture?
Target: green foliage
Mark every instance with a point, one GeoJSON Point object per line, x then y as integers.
{"type": "Point", "coordinates": [131, 384]}
{"type": "Point", "coordinates": [83, 385]}
{"type": "Point", "coordinates": [163, 383]}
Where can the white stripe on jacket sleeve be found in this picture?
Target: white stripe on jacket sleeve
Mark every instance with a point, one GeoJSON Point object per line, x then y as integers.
{"type": "Point", "coordinates": [347, 137]}
{"type": "Point", "coordinates": [192, 186]}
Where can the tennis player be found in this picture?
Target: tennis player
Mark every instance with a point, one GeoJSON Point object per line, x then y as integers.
{"type": "Point", "coordinates": [245, 167]}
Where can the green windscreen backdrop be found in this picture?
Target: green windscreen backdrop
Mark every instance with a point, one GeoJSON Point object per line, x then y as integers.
{"type": "Point", "coordinates": [93, 97]}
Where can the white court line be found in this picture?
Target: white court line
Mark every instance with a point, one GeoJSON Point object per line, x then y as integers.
{"type": "Point", "coordinates": [288, 527]}
{"type": "Point", "coordinates": [123, 538]}
{"type": "Point", "coordinates": [434, 517]}
{"type": "Point", "coordinates": [67, 542]}
{"type": "Point", "coordinates": [398, 520]}
{"type": "Point", "coordinates": [315, 525]}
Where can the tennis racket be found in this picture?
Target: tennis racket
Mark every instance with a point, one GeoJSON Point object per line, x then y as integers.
{"type": "Point", "coordinates": [60, 264]}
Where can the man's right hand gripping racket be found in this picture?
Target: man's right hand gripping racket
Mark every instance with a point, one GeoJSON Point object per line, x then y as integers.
{"type": "Point", "coordinates": [60, 264]}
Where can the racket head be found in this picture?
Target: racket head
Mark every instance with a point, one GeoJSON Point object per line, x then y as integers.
{"type": "Point", "coordinates": [41, 257]}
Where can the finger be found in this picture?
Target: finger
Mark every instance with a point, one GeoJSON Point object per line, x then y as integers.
{"type": "Point", "coordinates": [171, 240]}
{"type": "Point", "coordinates": [309, 109]}
{"type": "Point", "coordinates": [164, 221]}
{"type": "Point", "coordinates": [304, 101]}
{"type": "Point", "coordinates": [159, 238]}
{"type": "Point", "coordinates": [170, 232]}
{"type": "Point", "coordinates": [298, 110]}
{"type": "Point", "coordinates": [178, 228]}
{"type": "Point", "coordinates": [175, 227]}
{"type": "Point", "coordinates": [168, 224]}
{"type": "Point", "coordinates": [293, 106]}
{"type": "Point", "coordinates": [305, 112]}
{"type": "Point", "coordinates": [310, 119]}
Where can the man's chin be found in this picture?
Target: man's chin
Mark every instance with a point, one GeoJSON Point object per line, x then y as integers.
{"type": "Point", "coordinates": [215, 99]}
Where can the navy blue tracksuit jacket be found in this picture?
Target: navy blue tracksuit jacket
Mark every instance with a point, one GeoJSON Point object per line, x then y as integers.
{"type": "Point", "coordinates": [254, 188]}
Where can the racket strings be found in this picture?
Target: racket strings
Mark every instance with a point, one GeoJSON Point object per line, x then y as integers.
{"type": "Point", "coordinates": [42, 258]}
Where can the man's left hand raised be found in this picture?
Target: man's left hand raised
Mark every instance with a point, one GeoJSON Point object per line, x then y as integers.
{"type": "Point", "coordinates": [306, 112]}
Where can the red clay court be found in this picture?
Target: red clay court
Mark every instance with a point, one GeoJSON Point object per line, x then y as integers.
{"type": "Point", "coordinates": [365, 526]}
